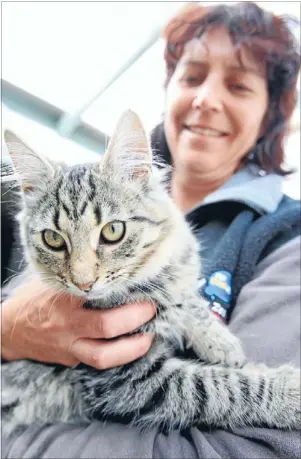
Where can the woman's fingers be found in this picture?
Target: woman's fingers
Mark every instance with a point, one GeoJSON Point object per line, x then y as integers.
{"type": "Point", "coordinates": [110, 323]}
{"type": "Point", "coordinates": [108, 354]}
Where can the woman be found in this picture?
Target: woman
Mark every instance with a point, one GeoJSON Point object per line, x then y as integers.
{"type": "Point", "coordinates": [230, 91]}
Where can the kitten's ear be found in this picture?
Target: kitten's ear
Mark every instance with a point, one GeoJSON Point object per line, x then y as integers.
{"type": "Point", "coordinates": [33, 171]}
{"type": "Point", "coordinates": [129, 150]}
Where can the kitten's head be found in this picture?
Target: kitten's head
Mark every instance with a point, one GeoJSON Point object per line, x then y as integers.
{"type": "Point", "coordinates": [96, 229]}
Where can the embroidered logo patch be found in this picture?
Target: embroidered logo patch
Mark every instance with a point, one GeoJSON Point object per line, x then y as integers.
{"type": "Point", "coordinates": [217, 291]}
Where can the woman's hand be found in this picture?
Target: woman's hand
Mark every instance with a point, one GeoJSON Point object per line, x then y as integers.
{"type": "Point", "coordinates": [41, 324]}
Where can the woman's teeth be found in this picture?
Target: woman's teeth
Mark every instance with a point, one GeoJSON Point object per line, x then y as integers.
{"type": "Point", "coordinates": [205, 131]}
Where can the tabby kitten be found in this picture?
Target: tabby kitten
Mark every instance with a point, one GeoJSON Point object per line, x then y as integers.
{"type": "Point", "coordinates": [109, 231]}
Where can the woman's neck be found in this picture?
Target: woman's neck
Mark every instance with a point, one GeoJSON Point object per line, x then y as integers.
{"type": "Point", "coordinates": [188, 193]}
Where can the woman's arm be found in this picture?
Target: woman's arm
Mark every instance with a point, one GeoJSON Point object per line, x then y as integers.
{"type": "Point", "coordinates": [267, 315]}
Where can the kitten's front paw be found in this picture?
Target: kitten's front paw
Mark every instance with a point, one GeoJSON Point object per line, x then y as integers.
{"type": "Point", "coordinates": [231, 354]}
{"type": "Point", "coordinates": [224, 349]}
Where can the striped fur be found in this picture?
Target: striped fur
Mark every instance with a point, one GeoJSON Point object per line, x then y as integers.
{"type": "Point", "coordinates": [195, 372]}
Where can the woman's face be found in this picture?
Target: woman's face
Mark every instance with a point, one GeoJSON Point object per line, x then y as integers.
{"type": "Point", "coordinates": [215, 105]}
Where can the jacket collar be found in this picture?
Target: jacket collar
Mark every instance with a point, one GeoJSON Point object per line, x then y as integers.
{"type": "Point", "coordinates": [261, 193]}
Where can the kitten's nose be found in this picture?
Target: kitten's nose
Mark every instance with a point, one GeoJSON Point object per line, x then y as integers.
{"type": "Point", "coordinates": [85, 287]}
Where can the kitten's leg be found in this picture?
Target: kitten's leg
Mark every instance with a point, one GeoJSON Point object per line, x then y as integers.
{"type": "Point", "coordinates": [209, 337]}
{"type": "Point", "coordinates": [180, 394]}
{"type": "Point", "coordinates": [33, 392]}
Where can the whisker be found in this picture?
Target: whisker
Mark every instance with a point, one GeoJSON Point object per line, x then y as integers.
{"type": "Point", "coordinates": [43, 304]}
{"type": "Point", "coordinates": [20, 264]}
{"type": "Point", "coordinates": [13, 276]}
{"type": "Point", "coordinates": [12, 270]}
{"type": "Point", "coordinates": [158, 289]}
{"type": "Point", "coordinates": [15, 321]}
{"type": "Point", "coordinates": [52, 304]}
{"type": "Point", "coordinates": [150, 299]}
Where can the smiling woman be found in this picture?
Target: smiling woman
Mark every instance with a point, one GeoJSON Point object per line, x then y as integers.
{"type": "Point", "coordinates": [222, 103]}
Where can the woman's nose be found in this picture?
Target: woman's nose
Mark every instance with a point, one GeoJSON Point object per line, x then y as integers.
{"type": "Point", "coordinates": [208, 97]}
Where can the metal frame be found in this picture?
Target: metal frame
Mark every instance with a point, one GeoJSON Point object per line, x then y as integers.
{"type": "Point", "coordinates": [44, 113]}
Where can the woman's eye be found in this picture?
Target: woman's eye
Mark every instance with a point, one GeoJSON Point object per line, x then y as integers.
{"type": "Point", "coordinates": [112, 232]}
{"type": "Point", "coordinates": [54, 240]}
{"type": "Point", "coordinates": [239, 87]}
{"type": "Point", "coordinates": [190, 80]}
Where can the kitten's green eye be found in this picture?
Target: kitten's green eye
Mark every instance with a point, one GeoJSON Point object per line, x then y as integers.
{"type": "Point", "coordinates": [54, 240]}
{"type": "Point", "coordinates": [113, 232]}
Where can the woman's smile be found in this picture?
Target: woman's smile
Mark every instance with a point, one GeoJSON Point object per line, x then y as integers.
{"type": "Point", "coordinates": [204, 131]}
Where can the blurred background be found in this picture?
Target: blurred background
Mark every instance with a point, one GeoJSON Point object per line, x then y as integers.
{"type": "Point", "coordinates": [70, 68]}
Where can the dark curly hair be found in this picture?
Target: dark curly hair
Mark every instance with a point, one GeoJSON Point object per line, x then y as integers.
{"type": "Point", "coordinates": [271, 41]}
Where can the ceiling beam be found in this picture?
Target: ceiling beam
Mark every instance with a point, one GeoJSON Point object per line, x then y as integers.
{"type": "Point", "coordinates": [48, 115]}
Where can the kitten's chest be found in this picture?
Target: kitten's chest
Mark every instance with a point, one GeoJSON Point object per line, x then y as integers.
{"type": "Point", "coordinates": [161, 300]}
